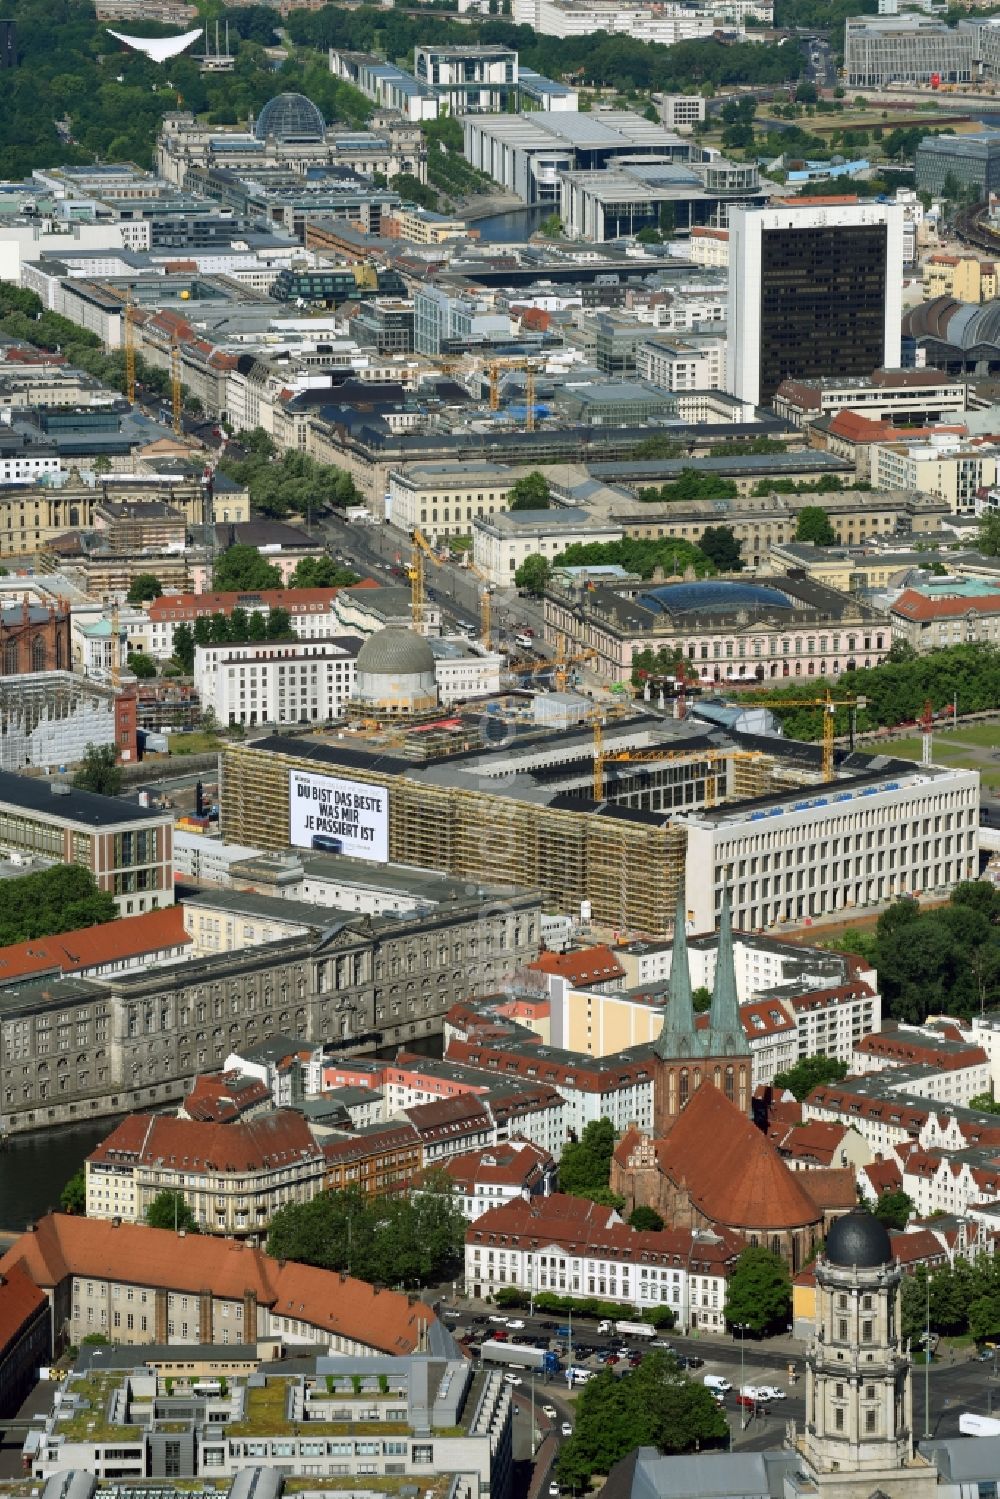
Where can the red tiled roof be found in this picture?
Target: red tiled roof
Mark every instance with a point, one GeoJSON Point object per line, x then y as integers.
{"type": "Point", "coordinates": [94, 946]}
{"type": "Point", "coordinates": [833, 1190]}
{"type": "Point", "coordinates": [20, 1302]}
{"type": "Point", "coordinates": [731, 1172]}
{"type": "Point", "coordinates": [516, 1164]}
{"type": "Point", "coordinates": [280, 1138]}
{"type": "Point", "coordinates": [592, 965]}
{"type": "Point", "coordinates": [131, 1254]}
{"type": "Point", "coordinates": [217, 1097]}
{"type": "Point", "coordinates": [587, 1075]}
{"type": "Point", "coordinates": [183, 606]}
{"type": "Point", "coordinates": [816, 1140]}
{"type": "Point", "coordinates": [894, 1047]}
{"type": "Point", "coordinates": [917, 1247]}
{"type": "Point", "coordinates": [917, 606]}
{"type": "Point", "coordinates": [585, 1229]}
{"type": "Point", "coordinates": [884, 1176]}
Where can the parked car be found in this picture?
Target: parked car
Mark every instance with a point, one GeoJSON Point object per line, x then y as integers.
{"type": "Point", "coordinates": [553, 1490]}
{"type": "Point", "coordinates": [747, 1402]}
{"type": "Point", "coordinates": [771, 1392]}
{"type": "Point", "coordinates": [501, 1336]}
{"type": "Point", "coordinates": [500, 1320]}
{"type": "Point", "coordinates": [516, 1324]}
{"type": "Point", "coordinates": [662, 1343]}
{"type": "Point", "coordinates": [452, 1313]}
{"type": "Point", "coordinates": [691, 1361]}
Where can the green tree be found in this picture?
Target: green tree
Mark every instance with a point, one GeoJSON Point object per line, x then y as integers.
{"type": "Point", "coordinates": [759, 1294]}
{"type": "Point", "coordinates": [671, 553]}
{"type": "Point", "coordinates": [144, 587]}
{"type": "Point", "coordinates": [184, 647]}
{"type": "Point", "coordinates": [170, 1210]}
{"type": "Point", "coordinates": [984, 1317]}
{"type": "Point", "coordinates": [321, 572]}
{"type": "Point", "coordinates": [73, 1197]}
{"type": "Point", "coordinates": [894, 1209]}
{"type": "Point", "coordinates": [533, 574]}
{"type": "Point", "coordinates": [702, 999]}
{"type": "Point", "coordinates": [59, 899]}
{"type": "Point", "coordinates": [99, 770]}
{"type": "Point", "coordinates": [413, 1240]}
{"type": "Point", "coordinates": [721, 547]}
{"type": "Point", "coordinates": [653, 1405]}
{"type": "Point", "coordinates": [242, 569]}
{"type": "Point", "coordinates": [278, 624]}
{"type": "Point", "coordinates": [141, 665]}
{"type": "Point", "coordinates": [530, 492]}
{"type": "Point", "coordinates": [810, 1073]}
{"type": "Point", "coordinates": [813, 525]}
{"type": "Point", "coordinates": [985, 1103]}
{"type": "Point", "coordinates": [988, 536]}
{"type": "Point", "coordinates": [551, 227]}
{"type": "Point", "coordinates": [645, 1219]}
{"type": "Point", "coordinates": [585, 1164]}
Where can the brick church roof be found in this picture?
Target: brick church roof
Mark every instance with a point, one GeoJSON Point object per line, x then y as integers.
{"type": "Point", "coordinates": [730, 1170]}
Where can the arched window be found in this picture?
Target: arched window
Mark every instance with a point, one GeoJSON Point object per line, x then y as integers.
{"type": "Point", "coordinates": [38, 653]}
{"type": "Point", "coordinates": [684, 1088]}
{"type": "Point", "coordinates": [10, 659]}
{"type": "Point", "coordinates": [730, 1085]}
{"type": "Point", "coordinates": [60, 663]}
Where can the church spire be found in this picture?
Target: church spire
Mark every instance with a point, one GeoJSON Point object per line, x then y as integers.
{"type": "Point", "coordinates": [725, 1028]}
{"type": "Point", "coordinates": [677, 1036]}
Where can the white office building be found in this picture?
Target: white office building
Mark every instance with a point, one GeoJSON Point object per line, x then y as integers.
{"type": "Point", "coordinates": [812, 291]}
{"type": "Point", "coordinates": [280, 682]}
{"type": "Point", "coordinates": [846, 846]}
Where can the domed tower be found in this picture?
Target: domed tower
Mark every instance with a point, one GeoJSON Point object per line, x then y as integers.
{"type": "Point", "coordinates": [859, 1409]}
{"type": "Point", "coordinates": [290, 119]}
{"type": "Point", "coordinates": [394, 678]}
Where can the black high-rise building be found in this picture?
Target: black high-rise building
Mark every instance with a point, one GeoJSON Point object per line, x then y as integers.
{"type": "Point", "coordinates": [813, 291]}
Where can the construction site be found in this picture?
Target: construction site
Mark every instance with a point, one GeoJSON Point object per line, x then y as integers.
{"type": "Point", "coordinates": [608, 817]}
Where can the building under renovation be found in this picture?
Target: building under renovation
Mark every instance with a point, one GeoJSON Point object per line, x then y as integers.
{"type": "Point", "coordinates": [48, 718]}
{"type": "Point", "coordinates": [665, 801]}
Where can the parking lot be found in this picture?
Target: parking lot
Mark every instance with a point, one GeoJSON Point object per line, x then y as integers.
{"type": "Point", "coordinates": [754, 1418]}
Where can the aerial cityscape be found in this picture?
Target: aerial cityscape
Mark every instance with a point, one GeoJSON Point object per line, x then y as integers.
{"type": "Point", "coordinates": [499, 749]}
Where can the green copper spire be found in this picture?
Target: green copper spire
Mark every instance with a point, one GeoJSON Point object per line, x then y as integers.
{"type": "Point", "coordinates": [725, 1029]}
{"type": "Point", "coordinates": [678, 1037]}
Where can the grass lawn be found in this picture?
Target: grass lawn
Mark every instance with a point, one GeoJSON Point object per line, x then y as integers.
{"type": "Point", "coordinates": [198, 743]}
{"type": "Point", "coordinates": [982, 735]}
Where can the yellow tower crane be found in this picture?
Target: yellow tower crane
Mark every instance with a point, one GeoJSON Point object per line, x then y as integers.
{"type": "Point", "coordinates": [116, 648]}
{"type": "Point", "coordinates": [829, 705]}
{"type": "Point", "coordinates": [129, 348]}
{"type": "Point", "coordinates": [603, 757]}
{"type": "Point", "coordinates": [497, 368]}
{"type": "Point", "coordinates": [416, 571]}
{"type": "Point", "coordinates": [176, 393]}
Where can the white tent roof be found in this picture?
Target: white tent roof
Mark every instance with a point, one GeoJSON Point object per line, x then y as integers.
{"type": "Point", "coordinates": [158, 48]}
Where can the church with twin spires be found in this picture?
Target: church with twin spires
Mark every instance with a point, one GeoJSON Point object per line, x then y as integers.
{"type": "Point", "coordinates": [688, 1057]}
{"type": "Point", "coordinates": [706, 1165]}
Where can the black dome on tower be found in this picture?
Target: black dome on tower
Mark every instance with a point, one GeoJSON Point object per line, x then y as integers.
{"type": "Point", "coordinates": [858, 1239]}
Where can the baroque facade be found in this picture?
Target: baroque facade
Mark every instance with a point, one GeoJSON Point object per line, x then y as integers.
{"type": "Point", "coordinates": [74, 1049]}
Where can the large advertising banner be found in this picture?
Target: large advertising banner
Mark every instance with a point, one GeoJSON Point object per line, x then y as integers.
{"type": "Point", "coordinates": [338, 817]}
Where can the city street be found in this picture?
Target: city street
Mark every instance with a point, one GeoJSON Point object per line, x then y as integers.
{"type": "Point", "coordinates": [965, 1385]}
{"type": "Point", "coordinates": [376, 549]}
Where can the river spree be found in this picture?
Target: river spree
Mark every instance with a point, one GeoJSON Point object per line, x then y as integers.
{"type": "Point", "coordinates": [35, 1168]}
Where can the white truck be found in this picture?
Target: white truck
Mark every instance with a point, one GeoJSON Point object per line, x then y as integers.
{"type": "Point", "coordinates": [519, 1356]}
{"type": "Point", "coordinates": [971, 1425]}
{"type": "Point", "coordinates": [635, 1330]}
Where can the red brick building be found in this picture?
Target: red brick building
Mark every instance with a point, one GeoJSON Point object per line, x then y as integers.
{"type": "Point", "coordinates": [34, 637]}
